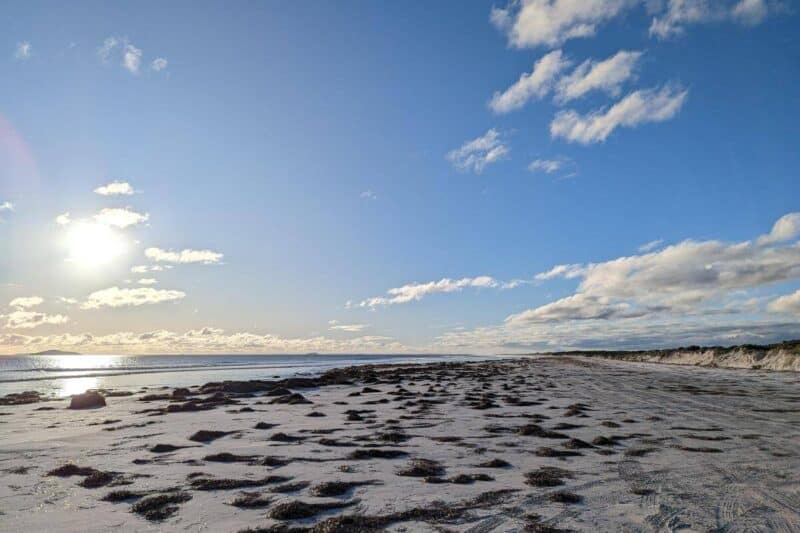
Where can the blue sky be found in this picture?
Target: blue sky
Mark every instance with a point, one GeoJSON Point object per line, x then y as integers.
{"type": "Point", "coordinates": [311, 157]}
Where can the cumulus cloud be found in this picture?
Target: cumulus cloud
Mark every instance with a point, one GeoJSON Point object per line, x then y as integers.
{"type": "Point", "coordinates": [639, 107]}
{"type": "Point", "coordinates": [206, 257]}
{"type": "Point", "coordinates": [205, 340]}
{"type": "Point", "coordinates": [120, 217]}
{"type": "Point", "coordinates": [6, 206]}
{"type": "Point", "coordinates": [693, 292]}
{"type": "Point", "coordinates": [417, 291]}
{"type": "Point", "coordinates": [607, 75]}
{"type": "Point", "coordinates": [368, 195]}
{"type": "Point", "coordinates": [532, 23]}
{"type": "Point", "coordinates": [477, 154]}
{"type": "Point", "coordinates": [535, 84]}
{"type": "Point", "coordinates": [550, 23]}
{"type": "Point", "coordinates": [159, 64]}
{"type": "Point", "coordinates": [63, 219]}
{"type": "Point", "coordinates": [131, 58]}
{"type": "Point", "coordinates": [579, 306]}
{"type": "Point", "coordinates": [23, 51]}
{"type": "Point", "coordinates": [25, 302]}
{"type": "Point", "coordinates": [147, 281]}
{"type": "Point", "coordinates": [116, 297]}
{"type": "Point", "coordinates": [682, 278]}
{"type": "Point", "coordinates": [115, 188]}
{"type": "Point", "coordinates": [786, 228]}
{"type": "Point", "coordinates": [678, 14]}
{"type": "Point", "coordinates": [786, 304]}
{"type": "Point", "coordinates": [22, 319]}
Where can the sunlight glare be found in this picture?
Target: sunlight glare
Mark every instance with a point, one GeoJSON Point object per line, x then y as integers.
{"type": "Point", "coordinates": [91, 244]}
{"type": "Point", "coordinates": [77, 386]}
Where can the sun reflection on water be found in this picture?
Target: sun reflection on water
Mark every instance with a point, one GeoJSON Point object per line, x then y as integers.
{"type": "Point", "coordinates": [72, 386]}
{"type": "Point", "coordinates": [83, 361]}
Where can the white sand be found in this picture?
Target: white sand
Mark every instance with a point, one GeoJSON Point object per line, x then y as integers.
{"type": "Point", "coordinates": [753, 484]}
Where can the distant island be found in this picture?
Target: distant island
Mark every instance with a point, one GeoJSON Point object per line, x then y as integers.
{"type": "Point", "coordinates": [54, 352]}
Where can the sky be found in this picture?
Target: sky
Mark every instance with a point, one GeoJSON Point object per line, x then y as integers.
{"type": "Point", "coordinates": [371, 177]}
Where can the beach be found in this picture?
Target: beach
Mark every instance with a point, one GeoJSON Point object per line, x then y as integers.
{"type": "Point", "coordinates": [528, 444]}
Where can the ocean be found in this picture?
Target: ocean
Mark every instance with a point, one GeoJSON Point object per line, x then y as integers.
{"type": "Point", "coordinates": [64, 375]}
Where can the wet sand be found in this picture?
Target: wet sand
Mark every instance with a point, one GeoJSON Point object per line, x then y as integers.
{"type": "Point", "coordinates": [539, 444]}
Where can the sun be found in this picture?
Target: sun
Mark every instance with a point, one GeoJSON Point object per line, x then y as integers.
{"type": "Point", "coordinates": [92, 245]}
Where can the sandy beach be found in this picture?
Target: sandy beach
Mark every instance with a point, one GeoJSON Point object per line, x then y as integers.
{"type": "Point", "coordinates": [537, 444]}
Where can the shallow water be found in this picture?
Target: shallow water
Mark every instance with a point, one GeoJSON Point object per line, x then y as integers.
{"type": "Point", "coordinates": [63, 375]}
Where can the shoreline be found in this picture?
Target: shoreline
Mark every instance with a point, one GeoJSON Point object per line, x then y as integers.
{"type": "Point", "coordinates": [506, 445]}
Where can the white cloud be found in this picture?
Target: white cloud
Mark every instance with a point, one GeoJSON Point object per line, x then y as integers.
{"type": "Point", "coordinates": [109, 44]}
{"type": "Point", "coordinates": [23, 51]}
{"type": "Point", "coordinates": [115, 188]}
{"type": "Point", "coordinates": [147, 281]}
{"type": "Point", "coordinates": [6, 206]}
{"type": "Point", "coordinates": [116, 297]}
{"type": "Point", "coordinates": [607, 75]}
{"type": "Point", "coordinates": [67, 301]}
{"type": "Point", "coordinates": [120, 217]}
{"type": "Point", "coordinates": [535, 84]}
{"type": "Point", "coordinates": [30, 319]}
{"type": "Point", "coordinates": [639, 107]}
{"type": "Point", "coordinates": [184, 256]}
{"type": "Point", "coordinates": [143, 269]}
{"type": "Point", "coordinates": [694, 292]}
{"type": "Point", "coordinates": [650, 246]}
{"type": "Point", "coordinates": [476, 154]}
{"type": "Point", "coordinates": [63, 219]}
{"type": "Point", "coordinates": [634, 333]}
{"type": "Point", "coordinates": [349, 328]}
{"type": "Point", "coordinates": [550, 23]}
{"type": "Point", "coordinates": [750, 12]}
{"type": "Point", "coordinates": [579, 306]}
{"type": "Point", "coordinates": [786, 228]}
{"type": "Point", "coordinates": [159, 64]}
{"type": "Point", "coordinates": [368, 195]}
{"type": "Point", "coordinates": [531, 23]}
{"type": "Point", "coordinates": [561, 271]}
{"type": "Point", "coordinates": [25, 302]}
{"type": "Point", "coordinates": [204, 340]}
{"type": "Point", "coordinates": [680, 13]}
{"type": "Point", "coordinates": [128, 55]}
{"type": "Point", "coordinates": [786, 304]}
{"type": "Point", "coordinates": [682, 278]}
{"type": "Point", "coordinates": [417, 291]}
{"type": "Point", "coordinates": [131, 58]}
{"type": "Point", "coordinates": [551, 166]}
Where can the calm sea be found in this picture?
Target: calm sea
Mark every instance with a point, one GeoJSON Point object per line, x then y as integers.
{"type": "Point", "coordinates": [64, 375]}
